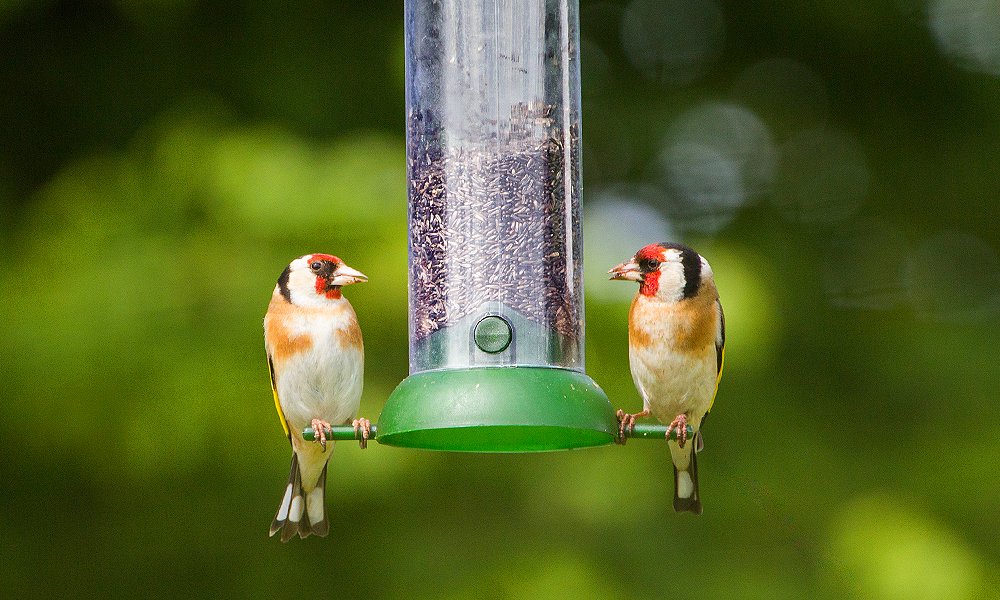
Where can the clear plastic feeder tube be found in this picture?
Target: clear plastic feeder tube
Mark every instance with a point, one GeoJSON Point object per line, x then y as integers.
{"type": "Point", "coordinates": [493, 163]}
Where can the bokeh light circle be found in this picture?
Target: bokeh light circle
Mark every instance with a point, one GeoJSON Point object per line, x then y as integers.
{"type": "Point", "coordinates": [968, 31]}
{"type": "Point", "coordinates": [953, 276]}
{"type": "Point", "coordinates": [618, 221]}
{"type": "Point", "coordinates": [785, 93]}
{"type": "Point", "coordinates": [673, 42]}
{"type": "Point", "coordinates": [823, 178]}
{"type": "Point", "coordinates": [714, 158]}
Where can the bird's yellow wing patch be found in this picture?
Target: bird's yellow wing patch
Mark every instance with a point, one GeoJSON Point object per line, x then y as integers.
{"type": "Point", "coordinates": [718, 378]}
{"type": "Point", "coordinates": [277, 403]}
{"type": "Point", "coordinates": [720, 350]}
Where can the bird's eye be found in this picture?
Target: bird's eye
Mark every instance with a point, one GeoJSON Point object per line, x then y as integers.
{"type": "Point", "coordinates": [316, 266]}
{"type": "Point", "coordinates": [649, 264]}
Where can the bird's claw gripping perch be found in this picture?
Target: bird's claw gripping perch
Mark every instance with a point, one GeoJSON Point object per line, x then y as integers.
{"type": "Point", "coordinates": [680, 425]}
{"type": "Point", "coordinates": [320, 427]}
{"type": "Point", "coordinates": [626, 422]}
{"type": "Point", "coordinates": [365, 427]}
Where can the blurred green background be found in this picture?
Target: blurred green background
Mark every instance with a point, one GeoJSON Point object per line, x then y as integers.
{"type": "Point", "coordinates": [162, 160]}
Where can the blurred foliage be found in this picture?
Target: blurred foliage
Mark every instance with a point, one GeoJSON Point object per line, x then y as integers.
{"type": "Point", "coordinates": [161, 161]}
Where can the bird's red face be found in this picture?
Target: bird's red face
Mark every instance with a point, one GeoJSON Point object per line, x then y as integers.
{"type": "Point", "coordinates": [644, 267]}
{"type": "Point", "coordinates": [669, 271]}
{"type": "Point", "coordinates": [314, 279]}
{"type": "Point", "coordinates": [331, 274]}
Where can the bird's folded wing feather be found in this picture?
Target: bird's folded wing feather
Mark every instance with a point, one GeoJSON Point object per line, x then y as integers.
{"type": "Point", "coordinates": [720, 349]}
{"type": "Point", "coordinates": [277, 403]}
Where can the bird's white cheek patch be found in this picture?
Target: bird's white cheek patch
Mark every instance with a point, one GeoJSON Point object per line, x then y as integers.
{"type": "Point", "coordinates": [295, 512]}
{"type": "Point", "coordinates": [283, 511]}
{"type": "Point", "coordinates": [685, 487]}
{"type": "Point", "coordinates": [314, 505]}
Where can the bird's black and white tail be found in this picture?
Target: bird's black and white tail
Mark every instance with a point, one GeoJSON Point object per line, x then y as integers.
{"type": "Point", "coordinates": [299, 512]}
{"type": "Point", "coordinates": [686, 498]}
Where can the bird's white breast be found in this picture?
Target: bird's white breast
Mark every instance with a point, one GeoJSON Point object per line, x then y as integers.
{"type": "Point", "coordinates": [324, 379]}
{"type": "Point", "coordinates": [671, 381]}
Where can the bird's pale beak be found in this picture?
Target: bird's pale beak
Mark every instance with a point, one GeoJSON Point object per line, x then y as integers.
{"type": "Point", "coordinates": [344, 275]}
{"type": "Point", "coordinates": [627, 271]}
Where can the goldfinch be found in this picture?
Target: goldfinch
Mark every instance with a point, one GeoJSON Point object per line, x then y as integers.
{"type": "Point", "coordinates": [676, 345]}
{"type": "Point", "coordinates": [316, 358]}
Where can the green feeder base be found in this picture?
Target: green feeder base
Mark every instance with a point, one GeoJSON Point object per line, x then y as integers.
{"type": "Point", "coordinates": [497, 409]}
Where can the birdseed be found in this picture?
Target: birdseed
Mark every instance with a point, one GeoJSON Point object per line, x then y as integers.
{"type": "Point", "coordinates": [497, 221]}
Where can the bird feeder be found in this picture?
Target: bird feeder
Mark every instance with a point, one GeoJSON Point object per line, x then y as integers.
{"type": "Point", "coordinates": [495, 261]}
{"type": "Point", "coordinates": [495, 256]}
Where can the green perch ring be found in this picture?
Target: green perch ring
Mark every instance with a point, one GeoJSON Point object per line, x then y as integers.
{"type": "Point", "coordinates": [341, 433]}
{"type": "Point", "coordinates": [642, 431]}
